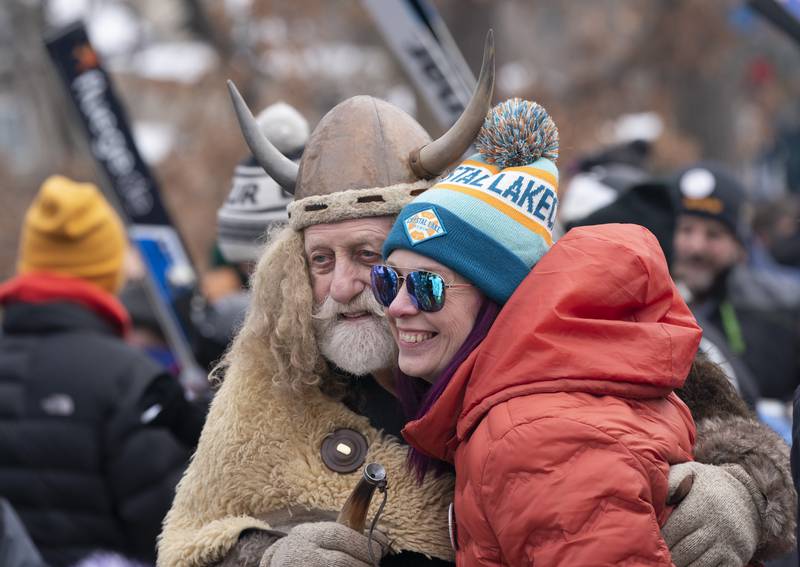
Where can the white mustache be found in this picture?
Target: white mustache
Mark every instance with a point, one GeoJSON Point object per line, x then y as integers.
{"type": "Point", "coordinates": [357, 349]}
{"type": "Point", "coordinates": [364, 302]}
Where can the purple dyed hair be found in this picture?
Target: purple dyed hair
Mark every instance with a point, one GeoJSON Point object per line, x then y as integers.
{"type": "Point", "coordinates": [417, 397]}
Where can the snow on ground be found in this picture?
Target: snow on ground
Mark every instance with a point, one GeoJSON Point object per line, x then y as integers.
{"type": "Point", "coordinates": [114, 29]}
{"type": "Point", "coordinates": [325, 61]}
{"type": "Point", "coordinates": [63, 12]}
{"type": "Point", "coordinates": [635, 126]}
{"type": "Point", "coordinates": [179, 61]}
{"type": "Point", "coordinates": [515, 77]}
{"type": "Point", "coordinates": [120, 37]}
{"type": "Point", "coordinates": [154, 140]}
{"type": "Point", "coordinates": [403, 97]}
{"type": "Point", "coordinates": [238, 8]}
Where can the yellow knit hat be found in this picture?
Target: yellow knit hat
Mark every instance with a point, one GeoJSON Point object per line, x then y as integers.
{"type": "Point", "coordinates": [71, 229]}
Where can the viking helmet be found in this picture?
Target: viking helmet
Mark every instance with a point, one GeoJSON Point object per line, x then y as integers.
{"type": "Point", "coordinates": [366, 157]}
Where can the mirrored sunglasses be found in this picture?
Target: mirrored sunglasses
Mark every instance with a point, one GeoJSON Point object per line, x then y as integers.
{"type": "Point", "coordinates": [426, 289]}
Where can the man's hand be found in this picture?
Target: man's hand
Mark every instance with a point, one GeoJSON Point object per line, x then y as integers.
{"type": "Point", "coordinates": [322, 544]}
{"type": "Point", "coordinates": [719, 521]}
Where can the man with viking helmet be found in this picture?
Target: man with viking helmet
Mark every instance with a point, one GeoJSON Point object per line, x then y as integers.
{"type": "Point", "coordinates": [308, 393]}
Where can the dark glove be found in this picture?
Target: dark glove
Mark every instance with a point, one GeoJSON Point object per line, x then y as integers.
{"type": "Point", "coordinates": [163, 404]}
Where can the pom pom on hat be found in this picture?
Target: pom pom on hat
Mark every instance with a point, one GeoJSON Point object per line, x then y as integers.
{"type": "Point", "coordinates": [285, 127]}
{"type": "Point", "coordinates": [491, 219]}
{"type": "Point", "coordinates": [517, 132]}
{"type": "Point", "coordinates": [711, 190]}
{"type": "Point", "coordinates": [71, 229]}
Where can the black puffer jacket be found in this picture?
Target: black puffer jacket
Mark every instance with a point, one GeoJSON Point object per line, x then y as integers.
{"type": "Point", "coordinates": [75, 460]}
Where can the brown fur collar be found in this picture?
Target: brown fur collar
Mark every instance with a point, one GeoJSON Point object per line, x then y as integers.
{"type": "Point", "coordinates": [708, 393]}
{"type": "Point", "coordinates": [728, 432]}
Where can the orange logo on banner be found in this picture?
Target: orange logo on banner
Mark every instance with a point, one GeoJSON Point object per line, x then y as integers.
{"type": "Point", "coordinates": [86, 57]}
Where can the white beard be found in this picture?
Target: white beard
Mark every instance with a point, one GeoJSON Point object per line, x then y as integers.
{"type": "Point", "coordinates": [358, 347]}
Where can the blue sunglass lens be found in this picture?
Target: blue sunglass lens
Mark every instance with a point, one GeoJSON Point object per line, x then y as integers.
{"type": "Point", "coordinates": [427, 289]}
{"type": "Point", "coordinates": [384, 284]}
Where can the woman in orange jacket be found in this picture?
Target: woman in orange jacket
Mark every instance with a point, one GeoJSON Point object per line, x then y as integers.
{"type": "Point", "coordinates": [551, 389]}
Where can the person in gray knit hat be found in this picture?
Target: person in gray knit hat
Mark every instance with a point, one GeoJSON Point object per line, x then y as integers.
{"type": "Point", "coordinates": [308, 396]}
{"type": "Point", "coordinates": [256, 201]}
{"type": "Point", "coordinates": [255, 205]}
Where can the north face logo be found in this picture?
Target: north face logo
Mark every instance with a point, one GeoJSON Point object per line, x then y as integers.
{"type": "Point", "coordinates": [60, 405]}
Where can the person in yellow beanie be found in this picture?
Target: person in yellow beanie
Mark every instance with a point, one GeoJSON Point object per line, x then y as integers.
{"type": "Point", "coordinates": [94, 435]}
{"type": "Point", "coordinates": [71, 229]}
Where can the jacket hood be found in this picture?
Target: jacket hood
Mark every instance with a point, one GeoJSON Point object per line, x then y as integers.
{"type": "Point", "coordinates": [598, 314]}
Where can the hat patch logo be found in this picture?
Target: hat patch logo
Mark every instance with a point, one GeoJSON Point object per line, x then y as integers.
{"type": "Point", "coordinates": [423, 225]}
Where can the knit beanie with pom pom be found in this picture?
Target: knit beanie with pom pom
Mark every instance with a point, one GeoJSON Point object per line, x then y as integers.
{"type": "Point", "coordinates": [492, 218]}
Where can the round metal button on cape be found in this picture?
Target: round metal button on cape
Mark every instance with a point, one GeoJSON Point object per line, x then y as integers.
{"type": "Point", "coordinates": [344, 450]}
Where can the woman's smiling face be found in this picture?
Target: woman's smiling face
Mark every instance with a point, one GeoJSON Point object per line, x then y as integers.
{"type": "Point", "coordinates": [427, 342]}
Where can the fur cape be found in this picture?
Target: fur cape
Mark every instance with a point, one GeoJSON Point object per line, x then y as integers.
{"type": "Point", "coordinates": [259, 459]}
{"type": "Point", "coordinates": [258, 464]}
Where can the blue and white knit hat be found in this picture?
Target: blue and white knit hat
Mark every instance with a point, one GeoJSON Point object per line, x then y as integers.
{"type": "Point", "coordinates": [492, 218]}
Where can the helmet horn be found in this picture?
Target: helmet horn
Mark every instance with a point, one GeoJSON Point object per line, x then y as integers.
{"type": "Point", "coordinates": [278, 166]}
{"type": "Point", "coordinates": [432, 159]}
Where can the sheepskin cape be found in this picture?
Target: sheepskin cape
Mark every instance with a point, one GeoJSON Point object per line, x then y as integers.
{"type": "Point", "coordinates": [258, 464]}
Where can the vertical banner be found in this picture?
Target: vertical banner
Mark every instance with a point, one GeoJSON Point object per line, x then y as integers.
{"type": "Point", "coordinates": [171, 277]}
{"type": "Point", "coordinates": [783, 14]}
{"type": "Point", "coordinates": [408, 27]}
{"type": "Point", "coordinates": [433, 20]}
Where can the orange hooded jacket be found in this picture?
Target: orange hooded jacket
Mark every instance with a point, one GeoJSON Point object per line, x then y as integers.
{"type": "Point", "coordinates": [562, 424]}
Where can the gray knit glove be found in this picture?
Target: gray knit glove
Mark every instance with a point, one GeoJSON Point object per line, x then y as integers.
{"type": "Point", "coordinates": [321, 544]}
{"type": "Point", "coordinates": [719, 521]}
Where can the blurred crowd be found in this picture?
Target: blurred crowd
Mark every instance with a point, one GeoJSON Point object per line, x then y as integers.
{"type": "Point", "coordinates": [89, 483]}
{"type": "Point", "coordinates": [73, 327]}
{"type": "Point", "coordinates": [733, 256]}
